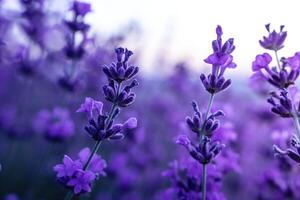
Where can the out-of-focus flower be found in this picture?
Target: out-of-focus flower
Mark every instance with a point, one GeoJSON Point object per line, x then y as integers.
{"type": "Point", "coordinates": [56, 125]}
{"type": "Point", "coordinates": [261, 62]}
{"type": "Point", "coordinates": [294, 61]}
{"type": "Point", "coordinates": [11, 197]}
{"type": "Point", "coordinates": [274, 41]}
{"type": "Point", "coordinates": [81, 8]}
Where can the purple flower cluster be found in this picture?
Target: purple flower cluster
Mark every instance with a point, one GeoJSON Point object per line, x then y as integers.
{"type": "Point", "coordinates": [72, 174]}
{"type": "Point", "coordinates": [76, 40]}
{"type": "Point", "coordinates": [220, 59]}
{"type": "Point", "coordinates": [55, 125]}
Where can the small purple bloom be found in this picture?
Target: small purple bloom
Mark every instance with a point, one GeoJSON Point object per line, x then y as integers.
{"type": "Point", "coordinates": [294, 61]}
{"type": "Point", "coordinates": [81, 8]}
{"type": "Point", "coordinates": [261, 61]}
{"type": "Point", "coordinates": [274, 41]}
{"type": "Point", "coordinates": [82, 181]}
{"type": "Point", "coordinates": [97, 165]}
{"type": "Point", "coordinates": [68, 168]}
{"type": "Point", "coordinates": [91, 107]}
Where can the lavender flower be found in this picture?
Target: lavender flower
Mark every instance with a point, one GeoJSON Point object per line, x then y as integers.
{"type": "Point", "coordinates": [207, 150]}
{"type": "Point", "coordinates": [220, 59]}
{"type": "Point", "coordinates": [74, 49]}
{"type": "Point", "coordinates": [71, 173]}
{"type": "Point", "coordinates": [294, 155]}
{"type": "Point", "coordinates": [56, 125]}
{"type": "Point", "coordinates": [282, 78]}
{"type": "Point", "coordinates": [204, 125]}
{"type": "Point", "coordinates": [101, 125]}
{"type": "Point", "coordinates": [274, 41]}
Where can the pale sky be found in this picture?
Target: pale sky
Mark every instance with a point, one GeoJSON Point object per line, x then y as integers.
{"type": "Point", "coordinates": [185, 29]}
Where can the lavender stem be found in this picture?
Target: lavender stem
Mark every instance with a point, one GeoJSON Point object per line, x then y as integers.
{"type": "Point", "coordinates": [296, 123]}
{"type": "Point", "coordinates": [277, 59]}
{"type": "Point", "coordinates": [204, 177]}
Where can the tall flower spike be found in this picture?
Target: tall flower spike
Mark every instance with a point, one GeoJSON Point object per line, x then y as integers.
{"type": "Point", "coordinates": [205, 124]}
{"type": "Point", "coordinates": [101, 126]}
{"type": "Point", "coordinates": [274, 41]}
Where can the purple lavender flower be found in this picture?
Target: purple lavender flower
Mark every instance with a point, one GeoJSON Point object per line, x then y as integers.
{"type": "Point", "coordinates": [205, 152]}
{"type": "Point", "coordinates": [72, 173]}
{"type": "Point", "coordinates": [97, 128]}
{"type": "Point", "coordinates": [294, 61]}
{"type": "Point", "coordinates": [11, 197]}
{"type": "Point", "coordinates": [282, 78]}
{"type": "Point", "coordinates": [284, 107]}
{"type": "Point", "coordinates": [81, 181]}
{"type": "Point", "coordinates": [220, 59]}
{"type": "Point", "coordinates": [205, 124]}
{"type": "Point", "coordinates": [97, 164]}
{"type": "Point", "coordinates": [75, 49]}
{"type": "Point", "coordinates": [56, 125]}
{"type": "Point", "coordinates": [274, 41]}
{"type": "Point", "coordinates": [294, 155]}
{"type": "Point", "coordinates": [101, 125]}
{"type": "Point", "coordinates": [81, 8]}
{"type": "Point", "coordinates": [68, 168]}
{"type": "Point", "coordinates": [121, 71]}
{"type": "Point", "coordinates": [91, 107]}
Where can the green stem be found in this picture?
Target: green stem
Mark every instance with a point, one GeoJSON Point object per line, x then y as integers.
{"type": "Point", "coordinates": [209, 106]}
{"type": "Point", "coordinates": [204, 175]}
{"type": "Point", "coordinates": [296, 123]}
{"type": "Point", "coordinates": [69, 195]}
{"type": "Point", "coordinates": [203, 182]}
{"type": "Point", "coordinates": [277, 59]}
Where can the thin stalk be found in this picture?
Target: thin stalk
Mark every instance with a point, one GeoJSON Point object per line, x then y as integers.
{"type": "Point", "coordinates": [69, 195]}
{"type": "Point", "coordinates": [211, 98]}
{"type": "Point", "coordinates": [296, 123]}
{"type": "Point", "coordinates": [204, 177]}
{"type": "Point", "coordinates": [204, 174]}
{"type": "Point", "coordinates": [277, 59]}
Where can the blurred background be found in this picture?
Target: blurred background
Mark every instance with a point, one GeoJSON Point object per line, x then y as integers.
{"type": "Point", "coordinates": [43, 81]}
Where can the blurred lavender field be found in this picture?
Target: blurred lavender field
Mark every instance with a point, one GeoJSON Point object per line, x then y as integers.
{"type": "Point", "coordinates": [54, 66]}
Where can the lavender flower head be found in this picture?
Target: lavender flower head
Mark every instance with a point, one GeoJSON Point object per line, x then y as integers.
{"type": "Point", "coordinates": [281, 77]}
{"type": "Point", "coordinates": [220, 59]}
{"type": "Point", "coordinates": [293, 152]}
{"type": "Point", "coordinates": [71, 173]}
{"type": "Point", "coordinates": [97, 128]}
{"type": "Point", "coordinates": [274, 41]}
{"type": "Point", "coordinates": [56, 125]}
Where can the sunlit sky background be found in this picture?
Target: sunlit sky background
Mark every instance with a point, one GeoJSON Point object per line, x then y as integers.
{"type": "Point", "coordinates": [183, 30]}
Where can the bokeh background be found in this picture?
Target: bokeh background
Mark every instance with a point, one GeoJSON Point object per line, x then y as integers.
{"type": "Point", "coordinates": [169, 39]}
